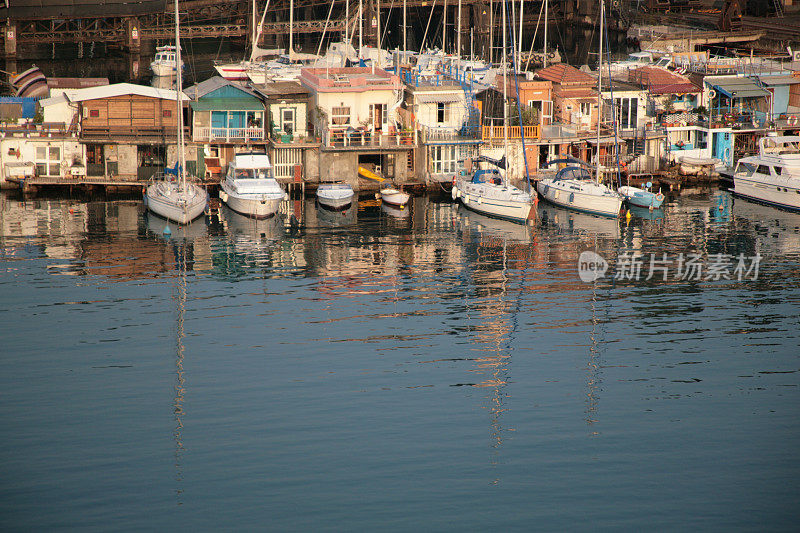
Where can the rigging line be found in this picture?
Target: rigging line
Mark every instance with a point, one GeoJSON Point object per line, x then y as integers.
{"type": "Point", "coordinates": [613, 109]}
{"type": "Point", "coordinates": [386, 26]}
{"type": "Point", "coordinates": [519, 107]}
{"type": "Point", "coordinates": [533, 41]}
{"type": "Point", "coordinates": [422, 43]}
{"type": "Point", "coordinates": [321, 39]}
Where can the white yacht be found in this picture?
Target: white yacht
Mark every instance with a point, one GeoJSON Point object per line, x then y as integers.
{"type": "Point", "coordinates": [488, 192]}
{"type": "Point", "coordinates": [772, 176]}
{"type": "Point", "coordinates": [573, 187]}
{"type": "Point", "coordinates": [249, 187]}
{"type": "Point", "coordinates": [165, 62]}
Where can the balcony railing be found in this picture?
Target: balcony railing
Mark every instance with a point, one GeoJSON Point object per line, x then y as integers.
{"type": "Point", "coordinates": [440, 134]}
{"type": "Point", "coordinates": [353, 138]}
{"type": "Point", "coordinates": [514, 132]}
{"type": "Point", "coordinates": [228, 134]}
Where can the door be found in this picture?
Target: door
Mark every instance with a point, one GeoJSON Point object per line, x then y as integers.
{"type": "Point", "coordinates": [721, 147]}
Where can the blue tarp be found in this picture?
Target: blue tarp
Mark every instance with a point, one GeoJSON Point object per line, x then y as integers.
{"type": "Point", "coordinates": [28, 104]}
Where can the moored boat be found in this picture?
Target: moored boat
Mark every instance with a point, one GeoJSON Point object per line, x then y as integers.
{"type": "Point", "coordinates": [641, 197]}
{"type": "Point", "coordinates": [249, 187]}
{"type": "Point", "coordinates": [165, 62]}
{"type": "Point", "coordinates": [772, 176]}
{"type": "Point", "coordinates": [574, 188]}
{"type": "Point", "coordinates": [394, 197]}
{"type": "Point", "coordinates": [486, 191]}
{"type": "Point", "coordinates": [335, 195]}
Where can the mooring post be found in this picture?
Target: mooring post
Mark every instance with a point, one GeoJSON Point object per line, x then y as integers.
{"type": "Point", "coordinates": [11, 41]}
{"type": "Point", "coordinates": [132, 34]}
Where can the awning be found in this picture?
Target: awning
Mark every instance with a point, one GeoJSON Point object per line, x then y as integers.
{"type": "Point", "coordinates": [738, 87]}
{"type": "Point", "coordinates": [227, 104]}
{"type": "Point", "coordinates": [443, 98]}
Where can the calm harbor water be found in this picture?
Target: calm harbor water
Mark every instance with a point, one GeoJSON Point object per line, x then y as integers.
{"type": "Point", "coordinates": [429, 369]}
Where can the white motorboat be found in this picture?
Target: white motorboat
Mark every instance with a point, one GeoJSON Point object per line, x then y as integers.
{"type": "Point", "coordinates": [179, 200]}
{"type": "Point", "coordinates": [573, 187]}
{"type": "Point", "coordinates": [165, 62]}
{"type": "Point", "coordinates": [394, 197]}
{"type": "Point", "coordinates": [772, 176]}
{"type": "Point", "coordinates": [641, 197]}
{"type": "Point", "coordinates": [249, 187]}
{"type": "Point", "coordinates": [487, 192]}
{"type": "Point", "coordinates": [335, 195]}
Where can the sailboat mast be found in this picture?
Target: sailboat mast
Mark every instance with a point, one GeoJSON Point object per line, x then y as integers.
{"type": "Point", "coordinates": [291, 27]}
{"type": "Point", "coordinates": [458, 43]}
{"type": "Point", "coordinates": [444, 28]}
{"type": "Point", "coordinates": [405, 28]}
{"type": "Point", "coordinates": [360, 27]}
{"type": "Point", "coordinates": [253, 19]}
{"type": "Point", "coordinates": [544, 55]}
{"type": "Point", "coordinates": [505, 85]}
{"type": "Point", "coordinates": [519, 43]}
{"type": "Point", "coordinates": [600, 87]}
{"type": "Point", "coordinates": [179, 90]}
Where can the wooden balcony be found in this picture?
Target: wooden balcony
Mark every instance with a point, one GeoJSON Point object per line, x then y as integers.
{"type": "Point", "coordinates": [498, 133]}
{"type": "Point", "coordinates": [358, 139]}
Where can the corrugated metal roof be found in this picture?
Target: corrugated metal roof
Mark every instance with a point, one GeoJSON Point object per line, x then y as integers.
{"type": "Point", "coordinates": [210, 85]}
{"type": "Point", "coordinates": [738, 87]}
{"type": "Point", "coordinates": [779, 80]}
{"type": "Point", "coordinates": [121, 89]}
{"type": "Point", "coordinates": [226, 104]}
{"type": "Point", "coordinates": [438, 98]}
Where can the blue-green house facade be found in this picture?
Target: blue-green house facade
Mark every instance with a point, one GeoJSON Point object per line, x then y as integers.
{"type": "Point", "coordinates": [224, 112]}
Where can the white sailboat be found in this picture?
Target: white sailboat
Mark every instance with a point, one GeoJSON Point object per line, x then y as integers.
{"type": "Point", "coordinates": [237, 70]}
{"type": "Point", "coordinates": [488, 191]}
{"type": "Point", "coordinates": [573, 186]}
{"type": "Point", "coordinates": [177, 200]}
{"type": "Point", "coordinates": [250, 188]}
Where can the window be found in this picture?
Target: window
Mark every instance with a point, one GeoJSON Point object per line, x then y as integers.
{"type": "Point", "coordinates": [48, 160]}
{"type": "Point", "coordinates": [441, 113]}
{"type": "Point", "coordinates": [627, 112]}
{"type": "Point", "coordinates": [443, 159]}
{"type": "Point", "coordinates": [379, 116]}
{"type": "Point", "coordinates": [763, 169]}
{"type": "Point", "coordinates": [777, 170]}
{"type": "Point", "coordinates": [94, 113]}
{"type": "Point", "coordinates": [586, 109]}
{"type": "Point", "coordinates": [340, 116]}
{"type": "Point", "coordinates": [702, 139]}
{"type": "Point", "coordinates": [287, 120]}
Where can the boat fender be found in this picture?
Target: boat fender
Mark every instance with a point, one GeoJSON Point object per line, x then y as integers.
{"type": "Point", "coordinates": [792, 120]}
{"type": "Point", "coordinates": [286, 196]}
{"type": "Point", "coordinates": [223, 196]}
{"type": "Point", "coordinates": [454, 193]}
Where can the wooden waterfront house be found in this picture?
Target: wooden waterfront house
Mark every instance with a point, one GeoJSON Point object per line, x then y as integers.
{"type": "Point", "coordinates": [226, 116]}
{"type": "Point", "coordinates": [291, 139]}
{"type": "Point", "coordinates": [355, 110]}
{"type": "Point", "coordinates": [125, 128]}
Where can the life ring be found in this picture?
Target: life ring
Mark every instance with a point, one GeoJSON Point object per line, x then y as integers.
{"type": "Point", "coordinates": [679, 144]}
{"type": "Point", "coordinates": [711, 94]}
{"type": "Point", "coordinates": [792, 120]}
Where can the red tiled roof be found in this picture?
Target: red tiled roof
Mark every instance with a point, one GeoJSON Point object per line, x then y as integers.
{"type": "Point", "coordinates": [675, 88]}
{"type": "Point", "coordinates": [655, 76]}
{"type": "Point", "coordinates": [564, 74]}
{"type": "Point", "coordinates": [577, 92]}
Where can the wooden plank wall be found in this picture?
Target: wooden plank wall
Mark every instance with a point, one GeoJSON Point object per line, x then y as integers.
{"type": "Point", "coordinates": [132, 114]}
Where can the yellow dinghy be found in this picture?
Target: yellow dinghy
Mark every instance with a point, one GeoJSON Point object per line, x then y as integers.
{"type": "Point", "coordinates": [366, 173]}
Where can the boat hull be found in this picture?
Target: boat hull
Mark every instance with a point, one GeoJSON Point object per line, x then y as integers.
{"type": "Point", "coordinates": [232, 72]}
{"type": "Point", "coordinates": [182, 205]}
{"type": "Point", "coordinates": [478, 198]}
{"type": "Point", "coordinates": [641, 198]}
{"type": "Point", "coordinates": [557, 193]}
{"type": "Point", "coordinates": [336, 196]}
{"type": "Point", "coordinates": [258, 206]}
{"type": "Point", "coordinates": [775, 194]}
{"type": "Point", "coordinates": [394, 197]}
